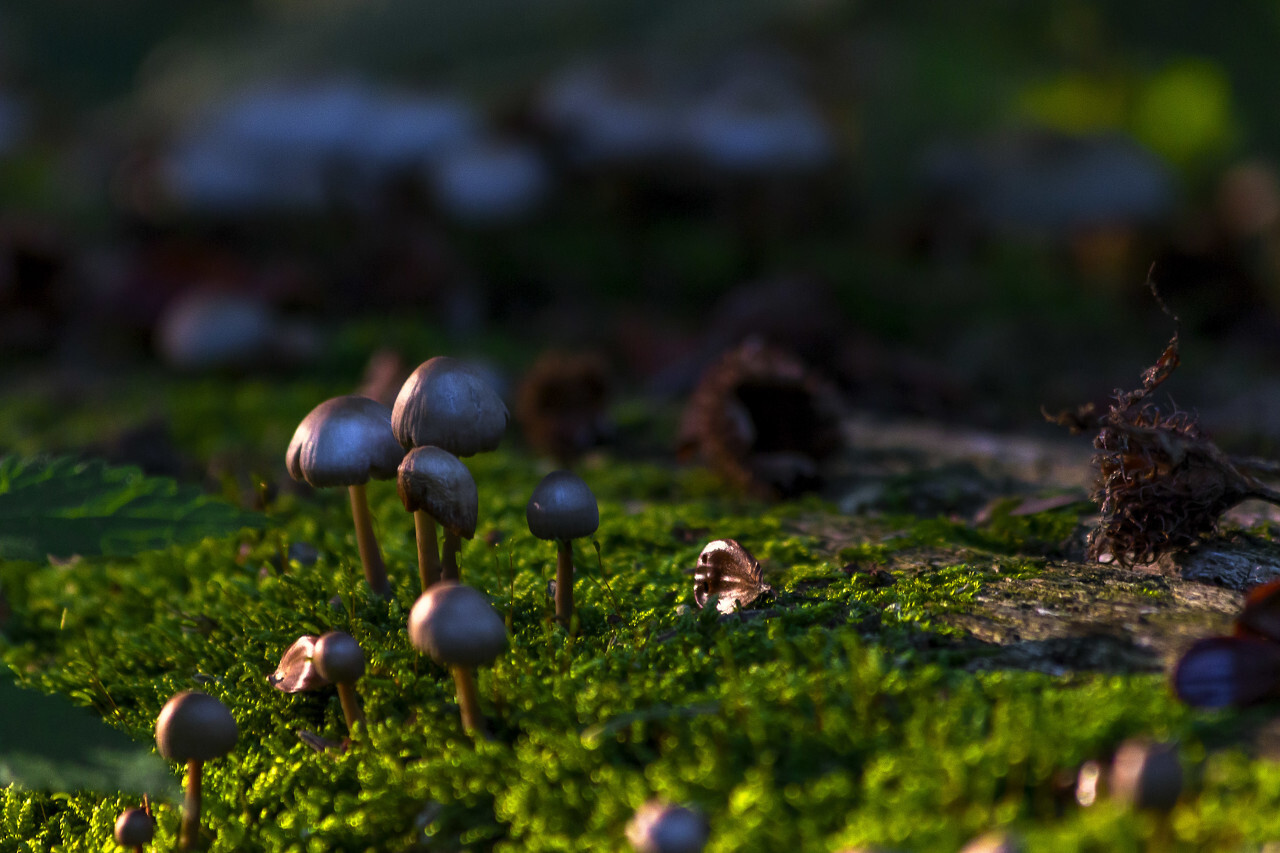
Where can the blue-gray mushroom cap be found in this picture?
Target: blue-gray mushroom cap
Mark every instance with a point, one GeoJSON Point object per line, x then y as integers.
{"type": "Point", "coordinates": [562, 507]}
{"type": "Point", "coordinates": [447, 403]}
{"type": "Point", "coordinates": [344, 441]}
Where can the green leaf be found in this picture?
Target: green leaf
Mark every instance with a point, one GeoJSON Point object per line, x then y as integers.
{"type": "Point", "coordinates": [48, 743]}
{"type": "Point", "coordinates": [60, 507]}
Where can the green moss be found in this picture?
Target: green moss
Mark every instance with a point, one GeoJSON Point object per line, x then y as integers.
{"type": "Point", "coordinates": [848, 716]}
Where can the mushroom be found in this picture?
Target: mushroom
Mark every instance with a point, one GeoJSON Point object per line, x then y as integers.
{"type": "Point", "coordinates": [339, 659]}
{"type": "Point", "coordinates": [563, 508]}
{"type": "Point", "coordinates": [1147, 775]}
{"type": "Point", "coordinates": [436, 487]}
{"type": "Point", "coordinates": [194, 727]}
{"type": "Point", "coordinates": [659, 827]}
{"type": "Point", "coordinates": [457, 627]}
{"type": "Point", "coordinates": [446, 403]}
{"type": "Point", "coordinates": [343, 442]}
{"type": "Point", "coordinates": [134, 828]}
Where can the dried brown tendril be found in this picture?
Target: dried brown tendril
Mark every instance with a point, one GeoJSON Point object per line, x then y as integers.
{"type": "Point", "coordinates": [1160, 484]}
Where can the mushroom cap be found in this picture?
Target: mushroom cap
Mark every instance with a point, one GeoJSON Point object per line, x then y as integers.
{"type": "Point", "coordinates": [659, 827]}
{"type": "Point", "coordinates": [343, 442]}
{"type": "Point", "coordinates": [338, 657]}
{"type": "Point", "coordinates": [134, 828]}
{"type": "Point", "coordinates": [562, 507]}
{"type": "Point", "coordinates": [194, 726]}
{"type": "Point", "coordinates": [1147, 775]}
{"type": "Point", "coordinates": [456, 625]}
{"type": "Point", "coordinates": [448, 404]}
{"type": "Point", "coordinates": [436, 481]}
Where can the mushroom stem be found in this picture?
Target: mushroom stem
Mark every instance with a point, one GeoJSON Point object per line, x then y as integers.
{"type": "Point", "coordinates": [350, 704]}
{"type": "Point", "coordinates": [564, 582]}
{"type": "Point", "coordinates": [468, 700]}
{"type": "Point", "coordinates": [191, 808]}
{"type": "Point", "coordinates": [452, 542]}
{"type": "Point", "coordinates": [375, 571]}
{"type": "Point", "coordinates": [428, 552]}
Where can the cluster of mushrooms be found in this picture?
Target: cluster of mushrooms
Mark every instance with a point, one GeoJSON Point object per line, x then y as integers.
{"type": "Point", "coordinates": [444, 411]}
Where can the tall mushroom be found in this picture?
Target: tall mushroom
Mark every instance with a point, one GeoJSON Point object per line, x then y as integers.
{"type": "Point", "coordinates": [563, 508]}
{"type": "Point", "coordinates": [436, 487]}
{"type": "Point", "coordinates": [339, 658]}
{"type": "Point", "coordinates": [194, 727]}
{"type": "Point", "coordinates": [446, 403]}
{"type": "Point", "coordinates": [458, 627]}
{"type": "Point", "coordinates": [343, 442]}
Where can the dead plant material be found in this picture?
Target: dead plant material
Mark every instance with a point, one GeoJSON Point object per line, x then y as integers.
{"type": "Point", "coordinates": [1160, 484]}
{"type": "Point", "coordinates": [763, 420]}
{"type": "Point", "coordinates": [562, 405]}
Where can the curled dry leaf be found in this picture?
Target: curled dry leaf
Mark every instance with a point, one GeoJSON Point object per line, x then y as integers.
{"type": "Point", "coordinates": [762, 420]}
{"type": "Point", "coordinates": [296, 672]}
{"type": "Point", "coordinates": [729, 573]}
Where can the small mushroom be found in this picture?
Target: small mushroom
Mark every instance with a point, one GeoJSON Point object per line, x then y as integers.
{"type": "Point", "coordinates": [458, 627]}
{"type": "Point", "coordinates": [1147, 775]}
{"type": "Point", "coordinates": [194, 727]}
{"type": "Point", "coordinates": [447, 403]}
{"type": "Point", "coordinates": [343, 442]}
{"type": "Point", "coordinates": [659, 827]}
{"type": "Point", "coordinates": [339, 659]}
{"type": "Point", "coordinates": [563, 508]}
{"type": "Point", "coordinates": [436, 487]}
{"type": "Point", "coordinates": [134, 828]}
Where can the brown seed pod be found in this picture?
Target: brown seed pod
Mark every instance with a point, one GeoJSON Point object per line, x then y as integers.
{"type": "Point", "coordinates": [762, 420]}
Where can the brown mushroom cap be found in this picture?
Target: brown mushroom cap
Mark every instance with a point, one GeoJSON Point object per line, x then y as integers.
{"type": "Point", "coordinates": [194, 726]}
{"type": "Point", "coordinates": [343, 442]}
{"type": "Point", "coordinates": [436, 481]}
{"type": "Point", "coordinates": [562, 507]}
{"type": "Point", "coordinates": [457, 625]}
{"type": "Point", "coordinates": [134, 828]}
{"type": "Point", "coordinates": [338, 657]}
{"type": "Point", "coordinates": [447, 403]}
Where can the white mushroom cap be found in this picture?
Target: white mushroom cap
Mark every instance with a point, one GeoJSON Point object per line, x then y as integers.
{"type": "Point", "coordinates": [343, 442]}
{"type": "Point", "coordinates": [338, 657]}
{"type": "Point", "coordinates": [562, 507]}
{"type": "Point", "coordinates": [194, 726]}
{"type": "Point", "coordinates": [448, 404]}
{"type": "Point", "coordinates": [659, 827]}
{"type": "Point", "coordinates": [435, 480]}
{"type": "Point", "coordinates": [456, 625]}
